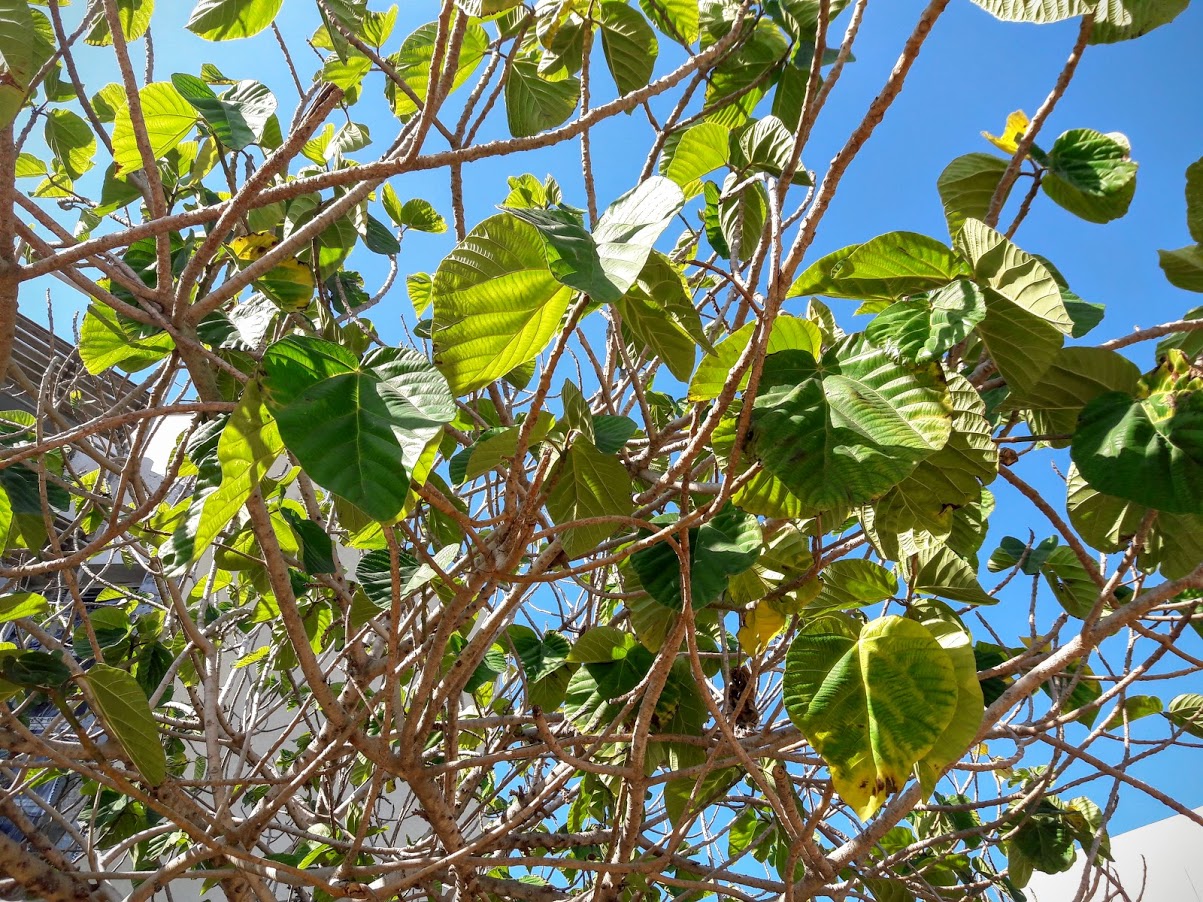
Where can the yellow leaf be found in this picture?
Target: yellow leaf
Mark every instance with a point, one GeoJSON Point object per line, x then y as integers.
{"type": "Point", "coordinates": [249, 248]}
{"type": "Point", "coordinates": [1008, 141]}
{"type": "Point", "coordinates": [760, 626]}
{"type": "Point", "coordinates": [290, 284]}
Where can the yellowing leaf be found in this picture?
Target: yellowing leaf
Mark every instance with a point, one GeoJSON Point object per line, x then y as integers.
{"type": "Point", "coordinates": [760, 626]}
{"type": "Point", "coordinates": [249, 248]}
{"type": "Point", "coordinates": [1008, 141]}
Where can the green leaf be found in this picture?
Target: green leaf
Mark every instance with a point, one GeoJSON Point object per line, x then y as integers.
{"type": "Point", "coordinates": [1039, 11]}
{"type": "Point", "coordinates": [134, 16]}
{"type": "Point", "coordinates": [1194, 199]}
{"type": "Point", "coordinates": [726, 545]}
{"type": "Point", "coordinates": [1186, 713]}
{"type": "Point", "coordinates": [851, 584]}
{"type": "Point", "coordinates": [606, 264]}
{"type": "Point", "coordinates": [412, 65]}
{"type": "Point", "coordinates": [676, 18]}
{"type": "Point", "coordinates": [741, 78]}
{"type": "Point", "coordinates": [951, 478]}
{"type": "Point", "coordinates": [602, 644]}
{"type": "Point", "coordinates": [687, 795]}
{"type": "Point", "coordinates": [533, 103]}
{"type": "Point", "coordinates": [1147, 449]}
{"type": "Point", "coordinates": [872, 701]}
{"type": "Point", "coordinates": [415, 214]}
{"type": "Point", "coordinates": [699, 150]}
{"type": "Point", "coordinates": [496, 304]}
{"type": "Point", "coordinates": [956, 640]}
{"type": "Point", "coordinates": [249, 445]}
{"type": "Point", "coordinates": [237, 117]}
{"type": "Point", "coordinates": [22, 604]}
{"type": "Point", "coordinates": [1184, 267]}
{"type": "Point", "coordinates": [107, 340]}
{"type": "Point", "coordinates": [35, 670]}
{"type": "Point", "coordinates": [1045, 839]}
{"type": "Point", "coordinates": [925, 327]}
{"type": "Point", "coordinates": [942, 572]}
{"type": "Point", "coordinates": [1090, 175]}
{"type": "Point", "coordinates": [657, 315]}
{"type": "Point", "coordinates": [16, 49]}
{"type": "Point", "coordinates": [887, 268]}
{"type": "Point", "coordinates": [1123, 20]}
{"type": "Point", "coordinates": [843, 431]}
{"type": "Point", "coordinates": [359, 429]}
{"type": "Point", "coordinates": [1026, 318]}
{"type": "Point", "coordinates": [966, 187]}
{"type": "Point", "coordinates": [629, 45]}
{"type": "Point", "coordinates": [1134, 708]}
{"type": "Point", "coordinates": [71, 141]}
{"type": "Point", "coordinates": [587, 484]}
{"type": "Point", "coordinates": [225, 20]}
{"type": "Point", "coordinates": [169, 119]}
{"type": "Point", "coordinates": [766, 146]}
{"type": "Point", "coordinates": [789, 333]}
{"type": "Point", "coordinates": [1075, 377]}
{"type": "Point", "coordinates": [126, 715]}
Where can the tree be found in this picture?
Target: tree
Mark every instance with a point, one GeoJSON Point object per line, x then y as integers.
{"type": "Point", "coordinates": [630, 574]}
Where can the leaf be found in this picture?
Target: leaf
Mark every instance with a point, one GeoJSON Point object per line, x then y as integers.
{"type": "Point", "coordinates": [1186, 713]}
{"type": "Point", "coordinates": [887, 268]}
{"type": "Point", "coordinates": [1149, 448]}
{"type": "Point", "coordinates": [872, 701]}
{"type": "Point", "coordinates": [1123, 20]}
{"type": "Point", "coordinates": [497, 446]}
{"type": "Point", "coordinates": [606, 264]}
{"type": "Point", "coordinates": [942, 572]}
{"type": "Point", "coordinates": [1075, 377]}
{"type": "Point", "coordinates": [1039, 11]}
{"type": "Point", "coordinates": [249, 445]}
{"type": "Point", "coordinates": [1016, 128]}
{"type": "Point", "coordinates": [951, 478]}
{"type": "Point", "coordinates": [1134, 708]}
{"type": "Point", "coordinates": [766, 146]}
{"type": "Point", "coordinates": [359, 429]}
{"type": "Point", "coordinates": [1090, 175]}
{"type": "Point", "coordinates": [740, 79]}
{"type": "Point", "coordinates": [22, 604]}
{"type": "Point", "coordinates": [956, 640]}
{"type": "Point", "coordinates": [726, 545]}
{"type": "Point", "coordinates": [925, 327]}
{"type": "Point", "coordinates": [1026, 318]}
{"type": "Point", "coordinates": [1194, 199]}
{"type": "Point", "coordinates": [842, 431]}
{"type": "Point", "coordinates": [237, 117]}
{"type": "Point", "coordinates": [412, 65]}
{"type": "Point", "coordinates": [226, 20]}
{"type": "Point", "coordinates": [658, 316]}
{"type": "Point", "coordinates": [699, 150]}
{"type": "Point", "coordinates": [416, 214]}
{"type": "Point", "coordinates": [676, 18]}
{"type": "Point", "coordinates": [588, 484]}
{"type": "Point", "coordinates": [789, 333]}
{"type": "Point", "coordinates": [126, 715]}
{"type": "Point", "coordinates": [134, 16]}
{"type": "Point", "coordinates": [1184, 267]}
{"type": "Point", "coordinates": [1045, 839]}
{"type": "Point", "coordinates": [533, 103]}
{"type": "Point", "coordinates": [169, 118]}
{"type": "Point", "coordinates": [71, 141]}
{"type": "Point", "coordinates": [496, 304]}
{"type": "Point", "coordinates": [966, 187]}
{"type": "Point", "coordinates": [16, 49]}
{"type": "Point", "coordinates": [602, 644]}
{"type": "Point", "coordinates": [106, 340]}
{"type": "Point", "coordinates": [849, 584]}
{"type": "Point", "coordinates": [629, 45]}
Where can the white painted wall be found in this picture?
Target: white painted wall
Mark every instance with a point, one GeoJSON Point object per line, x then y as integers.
{"type": "Point", "coordinates": [1166, 858]}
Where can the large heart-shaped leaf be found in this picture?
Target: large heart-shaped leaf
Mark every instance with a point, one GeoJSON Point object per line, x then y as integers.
{"type": "Point", "coordinates": [1123, 20]}
{"type": "Point", "coordinates": [358, 429]}
{"type": "Point", "coordinates": [629, 44]}
{"type": "Point", "coordinates": [926, 326]}
{"type": "Point", "coordinates": [169, 118]}
{"type": "Point", "coordinates": [844, 430]}
{"type": "Point", "coordinates": [967, 185]}
{"type": "Point", "coordinates": [496, 304]}
{"type": "Point", "coordinates": [225, 20]}
{"type": "Point", "coordinates": [534, 103]}
{"type": "Point", "coordinates": [872, 702]}
{"type": "Point", "coordinates": [238, 116]}
{"type": "Point", "coordinates": [887, 268]}
{"type": "Point", "coordinates": [587, 484]}
{"type": "Point", "coordinates": [412, 65]}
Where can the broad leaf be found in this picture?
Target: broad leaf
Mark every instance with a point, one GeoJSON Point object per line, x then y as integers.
{"type": "Point", "coordinates": [225, 20]}
{"type": "Point", "coordinates": [872, 701]}
{"type": "Point", "coordinates": [1075, 377]}
{"type": "Point", "coordinates": [238, 116]}
{"type": "Point", "coordinates": [587, 484]}
{"type": "Point", "coordinates": [359, 429]}
{"type": "Point", "coordinates": [496, 304]}
{"type": "Point", "coordinates": [126, 715]}
{"type": "Point", "coordinates": [1039, 11]}
{"type": "Point", "coordinates": [169, 118]}
{"type": "Point", "coordinates": [107, 339]}
{"type": "Point", "coordinates": [1123, 20]}
{"type": "Point", "coordinates": [967, 185]}
{"type": "Point", "coordinates": [1090, 175]}
{"type": "Point", "coordinates": [71, 140]}
{"type": "Point", "coordinates": [843, 430]}
{"type": "Point", "coordinates": [789, 333]}
{"type": "Point", "coordinates": [925, 327]}
{"type": "Point", "coordinates": [887, 268]}
{"type": "Point", "coordinates": [629, 44]}
{"type": "Point", "coordinates": [698, 150]}
{"type": "Point", "coordinates": [533, 103]}
{"type": "Point", "coordinates": [412, 65]}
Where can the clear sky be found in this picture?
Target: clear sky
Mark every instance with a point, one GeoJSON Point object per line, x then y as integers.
{"type": "Point", "coordinates": [973, 72]}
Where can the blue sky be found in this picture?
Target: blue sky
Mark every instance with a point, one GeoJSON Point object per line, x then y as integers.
{"type": "Point", "coordinates": [973, 72]}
